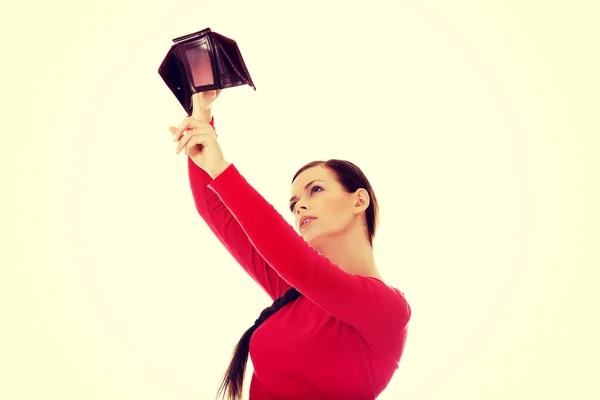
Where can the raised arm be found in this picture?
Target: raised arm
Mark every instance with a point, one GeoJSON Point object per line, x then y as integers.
{"type": "Point", "coordinates": [368, 304]}
{"type": "Point", "coordinates": [226, 228]}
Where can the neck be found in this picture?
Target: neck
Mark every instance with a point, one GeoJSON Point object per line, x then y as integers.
{"type": "Point", "coordinates": [351, 251]}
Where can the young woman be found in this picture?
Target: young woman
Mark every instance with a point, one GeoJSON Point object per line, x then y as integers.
{"type": "Point", "coordinates": [335, 330]}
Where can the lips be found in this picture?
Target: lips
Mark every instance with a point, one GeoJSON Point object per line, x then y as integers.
{"type": "Point", "coordinates": [301, 222]}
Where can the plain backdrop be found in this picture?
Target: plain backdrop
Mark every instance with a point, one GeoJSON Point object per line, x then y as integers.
{"type": "Point", "coordinates": [476, 122]}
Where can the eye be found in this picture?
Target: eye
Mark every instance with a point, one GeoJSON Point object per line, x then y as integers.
{"type": "Point", "coordinates": [312, 190]}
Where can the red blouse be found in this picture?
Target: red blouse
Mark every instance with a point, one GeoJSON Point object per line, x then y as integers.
{"type": "Point", "coordinates": [343, 339]}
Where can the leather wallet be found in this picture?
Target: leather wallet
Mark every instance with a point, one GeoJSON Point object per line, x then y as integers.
{"type": "Point", "coordinates": [201, 61]}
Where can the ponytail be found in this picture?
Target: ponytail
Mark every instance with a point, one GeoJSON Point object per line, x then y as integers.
{"type": "Point", "coordinates": [233, 380]}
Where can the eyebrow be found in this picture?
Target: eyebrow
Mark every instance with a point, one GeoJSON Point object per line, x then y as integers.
{"type": "Point", "coordinates": [306, 187]}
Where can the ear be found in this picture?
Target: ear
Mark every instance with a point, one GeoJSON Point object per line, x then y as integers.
{"type": "Point", "coordinates": [362, 200]}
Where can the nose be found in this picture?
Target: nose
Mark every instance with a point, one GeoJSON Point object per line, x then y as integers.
{"type": "Point", "coordinates": [300, 206]}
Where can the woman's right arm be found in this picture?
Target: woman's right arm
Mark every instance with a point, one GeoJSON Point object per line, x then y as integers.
{"type": "Point", "coordinates": [229, 232]}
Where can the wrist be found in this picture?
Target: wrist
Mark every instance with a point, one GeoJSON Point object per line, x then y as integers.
{"type": "Point", "coordinates": [214, 172]}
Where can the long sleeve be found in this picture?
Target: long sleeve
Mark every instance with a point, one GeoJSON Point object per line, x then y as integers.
{"type": "Point", "coordinates": [366, 303]}
{"type": "Point", "coordinates": [230, 234]}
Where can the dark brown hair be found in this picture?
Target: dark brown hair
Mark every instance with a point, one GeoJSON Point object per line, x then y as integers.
{"type": "Point", "coordinates": [351, 178]}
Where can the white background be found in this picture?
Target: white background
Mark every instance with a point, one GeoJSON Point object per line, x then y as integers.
{"type": "Point", "coordinates": [476, 123]}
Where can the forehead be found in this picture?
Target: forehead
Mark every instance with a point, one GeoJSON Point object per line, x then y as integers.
{"type": "Point", "coordinates": [315, 173]}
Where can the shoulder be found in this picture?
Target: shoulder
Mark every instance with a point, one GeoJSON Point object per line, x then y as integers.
{"type": "Point", "coordinates": [392, 302]}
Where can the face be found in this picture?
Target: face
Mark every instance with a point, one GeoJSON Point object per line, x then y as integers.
{"type": "Point", "coordinates": [317, 193]}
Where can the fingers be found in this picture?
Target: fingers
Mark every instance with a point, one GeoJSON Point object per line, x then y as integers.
{"type": "Point", "coordinates": [183, 141]}
{"type": "Point", "coordinates": [192, 138]}
{"type": "Point", "coordinates": [194, 141]}
{"type": "Point", "coordinates": [188, 123]}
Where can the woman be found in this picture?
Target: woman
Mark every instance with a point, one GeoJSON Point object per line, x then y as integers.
{"type": "Point", "coordinates": [335, 330]}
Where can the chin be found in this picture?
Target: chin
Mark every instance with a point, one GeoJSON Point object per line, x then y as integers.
{"type": "Point", "coordinates": [307, 236]}
{"type": "Point", "coordinates": [312, 238]}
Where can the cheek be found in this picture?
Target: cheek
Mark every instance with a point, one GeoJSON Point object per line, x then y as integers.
{"type": "Point", "coordinates": [337, 212]}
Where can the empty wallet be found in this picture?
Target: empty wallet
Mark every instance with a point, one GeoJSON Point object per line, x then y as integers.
{"type": "Point", "coordinates": [202, 61]}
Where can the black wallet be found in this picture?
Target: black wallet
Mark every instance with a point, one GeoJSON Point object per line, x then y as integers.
{"type": "Point", "coordinates": [203, 61]}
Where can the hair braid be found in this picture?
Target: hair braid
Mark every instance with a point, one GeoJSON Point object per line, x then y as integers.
{"type": "Point", "coordinates": [233, 380]}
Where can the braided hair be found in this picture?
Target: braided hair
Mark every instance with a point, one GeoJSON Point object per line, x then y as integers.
{"type": "Point", "coordinates": [233, 379]}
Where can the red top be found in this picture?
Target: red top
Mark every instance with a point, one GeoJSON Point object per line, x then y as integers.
{"type": "Point", "coordinates": [341, 340]}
